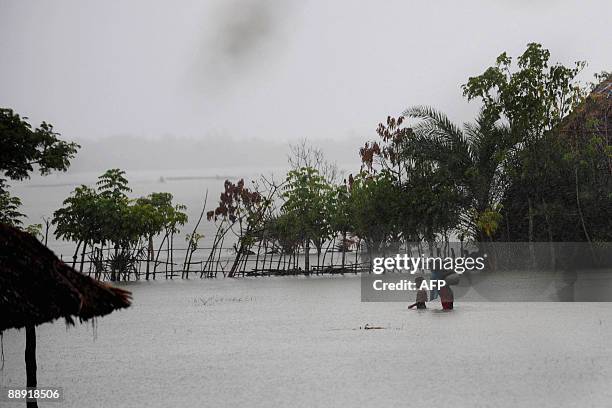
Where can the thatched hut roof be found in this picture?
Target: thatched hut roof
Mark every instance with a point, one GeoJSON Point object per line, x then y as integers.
{"type": "Point", "coordinates": [594, 115]}
{"type": "Point", "coordinates": [604, 88]}
{"type": "Point", "coordinates": [37, 287]}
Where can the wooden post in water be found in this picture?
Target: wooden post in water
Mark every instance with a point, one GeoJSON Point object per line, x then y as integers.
{"type": "Point", "coordinates": [30, 361]}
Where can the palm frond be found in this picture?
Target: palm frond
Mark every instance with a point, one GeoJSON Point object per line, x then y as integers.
{"type": "Point", "coordinates": [435, 125]}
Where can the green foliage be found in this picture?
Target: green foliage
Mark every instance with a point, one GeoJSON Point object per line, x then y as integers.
{"type": "Point", "coordinates": [113, 184]}
{"type": "Point", "coordinates": [192, 241]}
{"type": "Point", "coordinates": [9, 207]}
{"type": "Point", "coordinates": [375, 203]}
{"type": "Point", "coordinates": [534, 97]}
{"type": "Point", "coordinates": [158, 213]}
{"type": "Point", "coordinates": [519, 150]}
{"type": "Point", "coordinates": [533, 165]}
{"type": "Point", "coordinates": [22, 147]}
{"type": "Point", "coordinates": [36, 230]}
{"type": "Point", "coordinates": [152, 211]}
{"type": "Point", "coordinates": [567, 179]}
{"type": "Point", "coordinates": [488, 221]}
{"type": "Point", "coordinates": [81, 219]}
{"type": "Point", "coordinates": [340, 217]}
{"type": "Point", "coordinates": [309, 198]}
{"type": "Point", "coordinates": [284, 230]}
{"type": "Point", "coordinates": [465, 167]}
{"type": "Point", "coordinates": [556, 174]}
{"type": "Point", "coordinates": [106, 216]}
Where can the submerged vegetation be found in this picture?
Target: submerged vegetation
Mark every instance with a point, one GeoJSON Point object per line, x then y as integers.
{"type": "Point", "coordinates": [535, 165]}
{"type": "Point", "coordinates": [104, 216]}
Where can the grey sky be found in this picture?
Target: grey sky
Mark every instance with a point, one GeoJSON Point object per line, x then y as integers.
{"type": "Point", "coordinates": [277, 70]}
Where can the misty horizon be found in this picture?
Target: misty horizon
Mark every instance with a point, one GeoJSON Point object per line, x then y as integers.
{"type": "Point", "coordinates": [265, 69]}
{"type": "Point", "coordinates": [176, 153]}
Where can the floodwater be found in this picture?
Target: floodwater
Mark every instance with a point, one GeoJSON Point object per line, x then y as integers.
{"type": "Point", "coordinates": [300, 342]}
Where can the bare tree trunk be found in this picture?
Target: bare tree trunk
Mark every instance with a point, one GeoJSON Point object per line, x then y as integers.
{"type": "Point", "coordinates": [265, 256]}
{"type": "Point", "coordinates": [236, 263]}
{"type": "Point", "coordinates": [100, 270]}
{"type": "Point", "coordinates": [219, 256]}
{"type": "Point", "coordinates": [206, 268]}
{"type": "Point", "coordinates": [507, 227]}
{"type": "Point", "coordinates": [172, 255]}
{"type": "Point", "coordinates": [167, 257]}
{"type": "Point", "coordinates": [357, 246]}
{"type": "Point", "coordinates": [159, 251]}
{"type": "Point", "coordinates": [271, 258]}
{"type": "Point", "coordinates": [114, 274]}
{"type": "Point", "coordinates": [83, 256]}
{"type": "Point", "coordinates": [531, 246]}
{"type": "Point", "coordinates": [307, 255]}
{"type": "Point", "coordinates": [76, 251]}
{"type": "Point", "coordinates": [187, 262]}
{"type": "Point", "coordinates": [47, 226]}
{"type": "Point", "coordinates": [343, 249]}
{"type": "Point", "coordinates": [584, 228]}
{"type": "Point", "coordinates": [244, 262]}
{"type": "Point", "coordinates": [329, 244]}
{"type": "Point", "coordinates": [257, 257]}
{"type": "Point", "coordinates": [280, 256]}
{"type": "Point", "coordinates": [149, 256]}
{"type": "Point", "coordinates": [551, 244]}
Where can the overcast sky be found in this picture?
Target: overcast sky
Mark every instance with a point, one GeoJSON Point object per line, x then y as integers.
{"type": "Point", "coordinates": [277, 70]}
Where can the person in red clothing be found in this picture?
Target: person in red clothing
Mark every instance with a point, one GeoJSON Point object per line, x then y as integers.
{"type": "Point", "coordinates": [446, 297]}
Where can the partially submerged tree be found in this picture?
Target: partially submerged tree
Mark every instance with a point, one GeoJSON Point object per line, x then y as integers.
{"type": "Point", "coordinates": [427, 201]}
{"type": "Point", "coordinates": [308, 197]}
{"type": "Point", "coordinates": [95, 218]}
{"type": "Point", "coordinates": [81, 220]}
{"type": "Point", "coordinates": [340, 217]}
{"type": "Point", "coordinates": [242, 211]}
{"type": "Point", "coordinates": [375, 211]}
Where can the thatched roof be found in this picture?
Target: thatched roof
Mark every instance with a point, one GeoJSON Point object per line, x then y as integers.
{"type": "Point", "coordinates": [604, 88]}
{"type": "Point", "coordinates": [594, 115]}
{"type": "Point", "coordinates": [36, 287]}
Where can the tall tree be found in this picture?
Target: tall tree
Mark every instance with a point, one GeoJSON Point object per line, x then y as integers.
{"type": "Point", "coordinates": [547, 175]}
{"type": "Point", "coordinates": [470, 161]}
{"type": "Point", "coordinates": [308, 196]}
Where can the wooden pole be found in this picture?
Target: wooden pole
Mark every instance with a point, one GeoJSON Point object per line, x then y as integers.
{"type": "Point", "coordinates": [30, 361]}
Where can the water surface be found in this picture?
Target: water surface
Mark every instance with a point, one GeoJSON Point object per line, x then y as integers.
{"type": "Point", "coordinates": [300, 342]}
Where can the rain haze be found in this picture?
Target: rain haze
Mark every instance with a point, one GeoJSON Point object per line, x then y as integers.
{"type": "Point", "coordinates": [252, 255]}
{"type": "Point", "coordinates": [252, 76]}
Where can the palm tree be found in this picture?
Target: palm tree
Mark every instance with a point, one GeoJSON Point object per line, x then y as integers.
{"type": "Point", "coordinates": [472, 158]}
